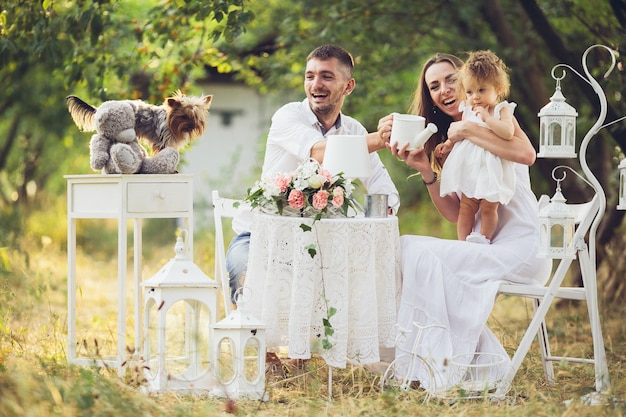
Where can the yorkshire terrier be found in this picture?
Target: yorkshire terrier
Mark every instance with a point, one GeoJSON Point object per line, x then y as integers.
{"type": "Point", "coordinates": [179, 120]}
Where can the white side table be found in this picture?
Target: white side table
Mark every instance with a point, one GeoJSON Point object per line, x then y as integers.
{"type": "Point", "coordinates": [122, 197]}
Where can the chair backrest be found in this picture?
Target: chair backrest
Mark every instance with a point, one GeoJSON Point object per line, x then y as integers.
{"type": "Point", "coordinates": [584, 214]}
{"type": "Point", "coordinates": [582, 211]}
{"type": "Point", "coordinates": [222, 208]}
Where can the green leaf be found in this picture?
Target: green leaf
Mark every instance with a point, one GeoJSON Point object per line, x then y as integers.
{"type": "Point", "coordinates": [96, 28]}
{"type": "Point", "coordinates": [4, 259]}
{"type": "Point", "coordinates": [311, 250]}
{"type": "Point", "coordinates": [305, 227]}
{"type": "Point", "coordinates": [331, 311]}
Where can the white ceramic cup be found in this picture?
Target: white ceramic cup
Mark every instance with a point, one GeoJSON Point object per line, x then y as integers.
{"type": "Point", "coordinates": [405, 127]}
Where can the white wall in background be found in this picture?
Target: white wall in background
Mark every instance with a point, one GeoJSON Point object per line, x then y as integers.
{"type": "Point", "coordinates": [229, 155]}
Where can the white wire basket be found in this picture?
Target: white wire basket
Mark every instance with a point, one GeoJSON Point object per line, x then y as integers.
{"type": "Point", "coordinates": [469, 376]}
{"type": "Point", "coordinates": [475, 375]}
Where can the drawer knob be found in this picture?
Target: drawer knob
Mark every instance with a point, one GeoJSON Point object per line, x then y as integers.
{"type": "Point", "coordinates": [161, 195]}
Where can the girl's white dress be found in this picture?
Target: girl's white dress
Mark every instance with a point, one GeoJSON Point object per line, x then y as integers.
{"type": "Point", "coordinates": [476, 172]}
{"type": "Point", "coordinates": [449, 289]}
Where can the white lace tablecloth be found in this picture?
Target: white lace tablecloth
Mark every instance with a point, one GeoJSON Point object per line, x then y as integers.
{"type": "Point", "coordinates": [356, 270]}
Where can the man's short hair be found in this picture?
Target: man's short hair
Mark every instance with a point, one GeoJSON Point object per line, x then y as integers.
{"type": "Point", "coordinates": [326, 52]}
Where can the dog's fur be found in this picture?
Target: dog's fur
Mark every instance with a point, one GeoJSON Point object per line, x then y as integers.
{"type": "Point", "coordinates": [179, 120]}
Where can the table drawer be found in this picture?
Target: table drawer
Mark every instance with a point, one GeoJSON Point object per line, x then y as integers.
{"type": "Point", "coordinates": [102, 199]}
{"type": "Point", "coordinates": [146, 197]}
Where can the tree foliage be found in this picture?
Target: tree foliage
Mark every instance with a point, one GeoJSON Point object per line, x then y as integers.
{"type": "Point", "coordinates": [101, 49]}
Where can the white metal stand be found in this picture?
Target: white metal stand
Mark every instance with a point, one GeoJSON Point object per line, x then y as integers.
{"type": "Point", "coordinates": [589, 217]}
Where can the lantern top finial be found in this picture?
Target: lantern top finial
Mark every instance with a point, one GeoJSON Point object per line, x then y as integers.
{"type": "Point", "coordinates": [242, 317]}
{"type": "Point", "coordinates": [179, 248]}
{"type": "Point", "coordinates": [558, 196]}
{"type": "Point", "coordinates": [557, 209]}
{"type": "Point", "coordinates": [180, 271]}
{"type": "Point", "coordinates": [241, 298]}
{"type": "Point", "coordinates": [557, 105]}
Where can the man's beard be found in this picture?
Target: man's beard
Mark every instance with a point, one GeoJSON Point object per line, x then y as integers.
{"type": "Point", "coordinates": [323, 109]}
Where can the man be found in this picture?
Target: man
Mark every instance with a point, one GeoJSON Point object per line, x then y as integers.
{"type": "Point", "coordinates": [298, 132]}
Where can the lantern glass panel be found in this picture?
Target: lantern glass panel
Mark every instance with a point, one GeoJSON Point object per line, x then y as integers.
{"type": "Point", "coordinates": [569, 234]}
{"type": "Point", "coordinates": [252, 359]}
{"type": "Point", "coordinates": [570, 133]}
{"type": "Point", "coordinates": [187, 327]}
{"type": "Point", "coordinates": [152, 337]}
{"type": "Point", "coordinates": [555, 134]}
{"type": "Point", "coordinates": [226, 362]}
{"type": "Point", "coordinates": [557, 236]}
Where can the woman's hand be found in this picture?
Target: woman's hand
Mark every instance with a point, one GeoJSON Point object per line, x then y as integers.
{"type": "Point", "coordinates": [416, 159]}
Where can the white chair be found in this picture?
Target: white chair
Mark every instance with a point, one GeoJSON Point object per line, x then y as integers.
{"type": "Point", "coordinates": [543, 298]}
{"type": "Point", "coordinates": [222, 208]}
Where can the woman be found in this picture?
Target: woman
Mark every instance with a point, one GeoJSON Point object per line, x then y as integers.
{"type": "Point", "coordinates": [450, 286]}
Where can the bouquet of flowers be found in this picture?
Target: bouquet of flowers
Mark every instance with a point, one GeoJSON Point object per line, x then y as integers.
{"type": "Point", "coordinates": [309, 191]}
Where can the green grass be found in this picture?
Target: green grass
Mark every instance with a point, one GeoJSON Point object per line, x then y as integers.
{"type": "Point", "coordinates": [35, 379]}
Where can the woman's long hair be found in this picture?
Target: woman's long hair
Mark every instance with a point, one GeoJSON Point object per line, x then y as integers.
{"type": "Point", "coordinates": [423, 106]}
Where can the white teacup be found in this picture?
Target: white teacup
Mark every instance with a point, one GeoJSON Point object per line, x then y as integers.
{"type": "Point", "coordinates": [411, 129]}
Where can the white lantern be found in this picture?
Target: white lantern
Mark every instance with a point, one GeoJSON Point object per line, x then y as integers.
{"type": "Point", "coordinates": [183, 302]}
{"type": "Point", "coordinates": [557, 225]}
{"type": "Point", "coordinates": [621, 204]}
{"type": "Point", "coordinates": [240, 355]}
{"type": "Point", "coordinates": [557, 135]}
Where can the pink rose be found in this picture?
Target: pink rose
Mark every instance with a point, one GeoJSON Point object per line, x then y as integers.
{"type": "Point", "coordinates": [296, 199]}
{"type": "Point", "coordinates": [338, 197]}
{"type": "Point", "coordinates": [282, 182]}
{"type": "Point", "coordinates": [320, 199]}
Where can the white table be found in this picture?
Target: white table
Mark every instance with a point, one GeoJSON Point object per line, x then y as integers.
{"type": "Point", "coordinates": [122, 197]}
{"type": "Point", "coordinates": [356, 271]}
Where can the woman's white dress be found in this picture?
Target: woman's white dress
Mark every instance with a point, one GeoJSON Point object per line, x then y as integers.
{"type": "Point", "coordinates": [449, 289]}
{"type": "Point", "coordinates": [476, 172]}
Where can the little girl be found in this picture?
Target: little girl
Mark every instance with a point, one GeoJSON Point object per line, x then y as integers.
{"type": "Point", "coordinates": [483, 179]}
